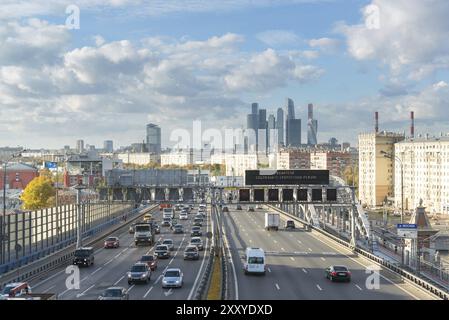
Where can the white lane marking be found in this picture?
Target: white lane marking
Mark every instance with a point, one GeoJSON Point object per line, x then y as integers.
{"type": "Point", "coordinates": [310, 249]}
{"type": "Point", "coordinates": [304, 270]}
{"type": "Point", "coordinates": [269, 234]}
{"type": "Point", "coordinates": [48, 279]}
{"type": "Point", "coordinates": [96, 271]}
{"type": "Point", "coordinates": [84, 278]}
{"type": "Point", "coordinates": [282, 249]}
{"type": "Point", "coordinates": [84, 292]}
{"type": "Point", "coordinates": [108, 262]}
{"type": "Point", "coordinates": [118, 255]}
{"type": "Point", "coordinates": [269, 270]}
{"type": "Point", "coordinates": [323, 259]}
{"type": "Point", "coordinates": [319, 288]}
{"type": "Point", "coordinates": [129, 289]}
{"type": "Point", "coordinates": [170, 261]}
{"type": "Point", "coordinates": [299, 241]}
{"type": "Point", "coordinates": [149, 290]}
{"type": "Point", "coordinates": [118, 281]}
{"type": "Point", "coordinates": [277, 287]}
{"type": "Point", "coordinates": [291, 258]}
{"type": "Point", "coordinates": [46, 290]}
{"type": "Point", "coordinates": [358, 287]}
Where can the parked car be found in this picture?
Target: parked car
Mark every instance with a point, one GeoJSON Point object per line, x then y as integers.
{"type": "Point", "coordinates": [140, 272]}
{"type": "Point", "coordinates": [173, 278]}
{"type": "Point", "coordinates": [162, 252]}
{"type": "Point", "coordinates": [338, 273]}
{"type": "Point", "coordinates": [114, 293]}
{"type": "Point", "coordinates": [150, 260]}
{"type": "Point", "coordinates": [196, 241]}
{"type": "Point", "coordinates": [196, 231]}
{"type": "Point", "coordinates": [191, 253]}
{"type": "Point", "coordinates": [111, 242]}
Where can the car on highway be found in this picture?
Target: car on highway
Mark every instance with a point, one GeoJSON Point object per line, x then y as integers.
{"type": "Point", "coordinates": [290, 224]}
{"type": "Point", "coordinates": [140, 272]}
{"type": "Point", "coordinates": [166, 222]}
{"type": "Point", "coordinates": [169, 243]}
{"type": "Point", "coordinates": [198, 242]}
{"type": "Point", "coordinates": [183, 216]}
{"type": "Point", "coordinates": [338, 273]}
{"type": "Point", "coordinates": [132, 229]}
{"type": "Point", "coordinates": [178, 228]}
{"type": "Point", "coordinates": [177, 207]}
{"type": "Point", "coordinates": [114, 293]}
{"type": "Point", "coordinates": [84, 256]}
{"type": "Point", "coordinates": [225, 209]}
{"type": "Point", "coordinates": [15, 289]}
{"type": "Point", "coordinates": [147, 217]}
{"type": "Point", "coordinates": [250, 209]}
{"type": "Point", "coordinates": [238, 207]}
{"type": "Point", "coordinates": [173, 278]}
{"type": "Point", "coordinates": [150, 260]}
{"type": "Point", "coordinates": [191, 253]}
{"type": "Point", "coordinates": [156, 228]}
{"type": "Point", "coordinates": [196, 231]}
{"type": "Point", "coordinates": [162, 252]}
{"type": "Point", "coordinates": [198, 222]}
{"type": "Point", "coordinates": [111, 242]}
{"type": "Point", "coordinates": [199, 216]}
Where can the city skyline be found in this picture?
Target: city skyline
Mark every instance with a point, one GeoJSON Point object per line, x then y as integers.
{"type": "Point", "coordinates": [110, 77]}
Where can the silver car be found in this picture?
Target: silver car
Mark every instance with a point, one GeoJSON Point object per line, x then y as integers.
{"type": "Point", "coordinates": [169, 244]}
{"type": "Point", "coordinates": [140, 272]}
{"type": "Point", "coordinates": [196, 241]}
{"type": "Point", "coordinates": [114, 293]}
{"type": "Point", "coordinates": [173, 278]}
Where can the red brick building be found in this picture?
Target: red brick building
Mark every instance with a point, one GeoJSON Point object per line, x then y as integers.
{"type": "Point", "coordinates": [18, 175]}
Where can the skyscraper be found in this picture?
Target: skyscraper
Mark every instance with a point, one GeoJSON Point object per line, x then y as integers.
{"type": "Point", "coordinates": [262, 142]}
{"type": "Point", "coordinates": [255, 108]}
{"type": "Point", "coordinates": [80, 146]}
{"type": "Point", "coordinates": [271, 133]}
{"type": "Point", "coordinates": [108, 146]}
{"type": "Point", "coordinates": [280, 126]}
{"type": "Point", "coordinates": [294, 132]}
{"type": "Point", "coordinates": [290, 116]}
{"type": "Point", "coordinates": [312, 127]}
{"type": "Point", "coordinates": [153, 138]}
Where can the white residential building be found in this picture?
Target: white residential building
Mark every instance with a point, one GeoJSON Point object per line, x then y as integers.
{"type": "Point", "coordinates": [426, 174]}
{"type": "Point", "coordinates": [142, 158]}
{"type": "Point", "coordinates": [375, 170]}
{"type": "Point", "coordinates": [177, 158]}
{"type": "Point", "coordinates": [237, 164]}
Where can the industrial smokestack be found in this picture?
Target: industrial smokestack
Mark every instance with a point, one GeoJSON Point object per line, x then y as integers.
{"type": "Point", "coordinates": [310, 111]}
{"type": "Point", "coordinates": [376, 119]}
{"type": "Point", "coordinates": [412, 126]}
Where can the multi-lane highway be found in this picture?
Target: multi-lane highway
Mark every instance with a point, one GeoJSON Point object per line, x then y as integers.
{"type": "Point", "coordinates": [111, 267]}
{"type": "Point", "coordinates": [296, 261]}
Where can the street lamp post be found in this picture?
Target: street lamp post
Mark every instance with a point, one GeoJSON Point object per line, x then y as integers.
{"type": "Point", "coordinates": [79, 241]}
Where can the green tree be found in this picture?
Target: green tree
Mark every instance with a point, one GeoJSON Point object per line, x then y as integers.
{"type": "Point", "coordinates": [38, 194]}
{"type": "Point", "coordinates": [351, 175]}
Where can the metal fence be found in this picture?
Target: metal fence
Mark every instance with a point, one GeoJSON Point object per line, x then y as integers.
{"type": "Point", "coordinates": [35, 234]}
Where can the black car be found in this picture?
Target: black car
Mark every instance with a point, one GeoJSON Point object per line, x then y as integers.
{"type": "Point", "coordinates": [225, 209]}
{"type": "Point", "coordinates": [178, 228]}
{"type": "Point", "coordinates": [196, 231]}
{"type": "Point", "coordinates": [338, 273]}
{"type": "Point", "coordinates": [239, 207]}
{"type": "Point", "coordinates": [290, 224]}
{"type": "Point", "coordinates": [84, 256]}
{"type": "Point", "coordinates": [198, 222]}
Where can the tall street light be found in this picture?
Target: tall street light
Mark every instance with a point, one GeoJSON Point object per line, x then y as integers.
{"type": "Point", "coordinates": [391, 156]}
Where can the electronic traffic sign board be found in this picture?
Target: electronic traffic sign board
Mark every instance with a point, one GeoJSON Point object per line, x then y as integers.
{"type": "Point", "coordinates": [286, 177]}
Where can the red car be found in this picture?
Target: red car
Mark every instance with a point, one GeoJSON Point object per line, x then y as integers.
{"type": "Point", "coordinates": [111, 242]}
{"type": "Point", "coordinates": [150, 260]}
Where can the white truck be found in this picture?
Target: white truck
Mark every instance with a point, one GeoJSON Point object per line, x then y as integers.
{"type": "Point", "coordinates": [272, 221]}
{"type": "Point", "coordinates": [168, 213]}
{"type": "Point", "coordinates": [143, 234]}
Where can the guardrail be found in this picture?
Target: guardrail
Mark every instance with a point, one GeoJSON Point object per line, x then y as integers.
{"type": "Point", "coordinates": [60, 258]}
{"type": "Point", "coordinates": [405, 275]}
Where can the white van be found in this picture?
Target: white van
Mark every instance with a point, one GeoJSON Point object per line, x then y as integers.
{"type": "Point", "coordinates": [168, 213]}
{"type": "Point", "coordinates": [254, 261]}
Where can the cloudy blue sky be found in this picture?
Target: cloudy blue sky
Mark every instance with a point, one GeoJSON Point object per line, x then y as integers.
{"type": "Point", "coordinates": [170, 62]}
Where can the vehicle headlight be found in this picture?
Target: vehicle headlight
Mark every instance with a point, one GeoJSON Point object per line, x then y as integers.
{"type": "Point", "coordinates": [85, 260]}
{"type": "Point", "coordinates": [129, 275]}
{"type": "Point", "coordinates": [143, 276]}
{"type": "Point", "coordinates": [178, 281]}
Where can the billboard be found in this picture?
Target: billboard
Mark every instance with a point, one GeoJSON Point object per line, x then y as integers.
{"type": "Point", "coordinates": [408, 231]}
{"type": "Point", "coordinates": [286, 177]}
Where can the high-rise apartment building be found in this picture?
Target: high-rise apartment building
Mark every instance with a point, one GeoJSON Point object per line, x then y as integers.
{"type": "Point", "coordinates": [293, 133]}
{"type": "Point", "coordinates": [108, 146]}
{"type": "Point", "coordinates": [153, 138]}
{"type": "Point", "coordinates": [80, 146]}
{"type": "Point", "coordinates": [312, 127]}
{"type": "Point", "coordinates": [280, 126]}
